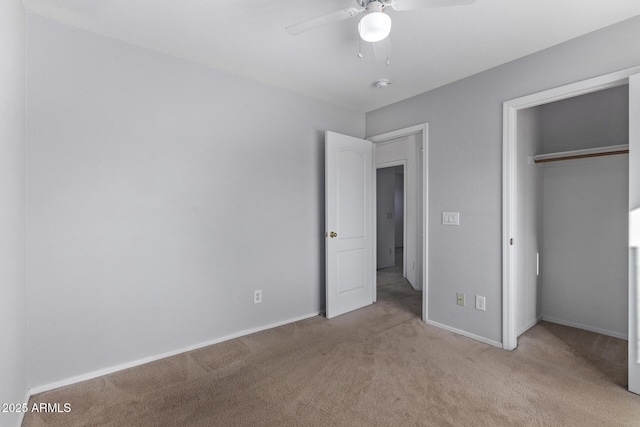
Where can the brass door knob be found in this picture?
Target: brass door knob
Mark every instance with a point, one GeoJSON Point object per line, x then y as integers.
{"type": "Point", "coordinates": [333, 234]}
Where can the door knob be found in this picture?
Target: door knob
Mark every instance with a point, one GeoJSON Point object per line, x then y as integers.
{"type": "Point", "coordinates": [333, 234]}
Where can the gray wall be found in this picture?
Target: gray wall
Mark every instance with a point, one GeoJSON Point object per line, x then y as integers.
{"type": "Point", "coordinates": [161, 193]}
{"type": "Point", "coordinates": [530, 131]}
{"type": "Point", "coordinates": [585, 244]}
{"type": "Point", "coordinates": [594, 120]}
{"type": "Point", "coordinates": [13, 354]}
{"type": "Point", "coordinates": [465, 171]}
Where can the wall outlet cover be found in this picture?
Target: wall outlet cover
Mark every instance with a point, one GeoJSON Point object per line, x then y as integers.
{"type": "Point", "coordinates": [450, 218]}
{"type": "Point", "coordinates": [257, 296]}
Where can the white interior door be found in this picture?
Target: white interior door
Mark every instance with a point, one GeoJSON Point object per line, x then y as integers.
{"type": "Point", "coordinates": [634, 233]}
{"type": "Point", "coordinates": [349, 223]}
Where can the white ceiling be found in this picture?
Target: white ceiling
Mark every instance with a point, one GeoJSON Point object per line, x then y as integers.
{"type": "Point", "coordinates": [430, 47]}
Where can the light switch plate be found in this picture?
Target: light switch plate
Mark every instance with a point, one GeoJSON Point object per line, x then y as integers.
{"type": "Point", "coordinates": [450, 218]}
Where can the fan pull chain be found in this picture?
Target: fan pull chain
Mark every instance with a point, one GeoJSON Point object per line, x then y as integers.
{"type": "Point", "coordinates": [388, 55]}
{"type": "Point", "coordinates": [359, 48]}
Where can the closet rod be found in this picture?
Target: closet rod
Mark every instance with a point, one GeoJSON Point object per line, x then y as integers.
{"type": "Point", "coordinates": [582, 154]}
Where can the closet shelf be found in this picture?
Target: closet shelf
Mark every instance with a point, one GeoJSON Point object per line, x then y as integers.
{"type": "Point", "coordinates": [582, 154]}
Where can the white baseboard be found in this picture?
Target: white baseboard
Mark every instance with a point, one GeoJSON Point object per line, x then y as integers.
{"type": "Point", "coordinates": [585, 327]}
{"type": "Point", "coordinates": [530, 325]}
{"type": "Point", "coordinates": [112, 369]}
{"type": "Point", "coordinates": [464, 333]}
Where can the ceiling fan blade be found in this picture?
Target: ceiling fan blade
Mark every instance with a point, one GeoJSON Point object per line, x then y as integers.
{"type": "Point", "coordinates": [421, 4]}
{"type": "Point", "coordinates": [323, 20]}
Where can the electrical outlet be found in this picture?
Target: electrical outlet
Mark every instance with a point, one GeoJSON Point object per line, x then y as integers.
{"type": "Point", "coordinates": [257, 296]}
{"type": "Point", "coordinates": [460, 297]}
{"type": "Point", "coordinates": [481, 303]}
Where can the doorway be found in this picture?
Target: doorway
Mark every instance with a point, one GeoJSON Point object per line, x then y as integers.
{"type": "Point", "coordinates": [350, 210]}
{"type": "Point", "coordinates": [390, 218]}
{"type": "Point", "coordinates": [573, 209]}
{"type": "Point", "coordinates": [408, 148]}
{"type": "Point", "coordinates": [391, 283]}
{"type": "Point", "coordinates": [515, 259]}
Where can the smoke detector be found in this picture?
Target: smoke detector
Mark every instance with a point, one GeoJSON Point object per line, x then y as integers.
{"type": "Point", "coordinates": [382, 83]}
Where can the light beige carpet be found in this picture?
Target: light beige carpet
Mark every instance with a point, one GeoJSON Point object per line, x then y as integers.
{"type": "Point", "coordinates": [377, 366]}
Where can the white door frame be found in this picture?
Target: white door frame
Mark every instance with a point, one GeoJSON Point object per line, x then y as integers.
{"type": "Point", "coordinates": [409, 131]}
{"type": "Point", "coordinates": [510, 243]}
{"type": "Point", "coordinates": [384, 165]}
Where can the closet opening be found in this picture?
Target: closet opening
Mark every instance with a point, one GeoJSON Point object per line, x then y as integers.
{"type": "Point", "coordinates": [573, 210]}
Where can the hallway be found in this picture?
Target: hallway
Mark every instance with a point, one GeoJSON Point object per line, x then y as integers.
{"type": "Point", "coordinates": [394, 288]}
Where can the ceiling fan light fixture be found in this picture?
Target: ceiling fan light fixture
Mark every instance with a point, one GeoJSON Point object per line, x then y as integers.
{"type": "Point", "coordinates": [375, 25]}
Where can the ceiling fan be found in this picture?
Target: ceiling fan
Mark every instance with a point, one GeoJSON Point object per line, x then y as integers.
{"type": "Point", "coordinates": [375, 25]}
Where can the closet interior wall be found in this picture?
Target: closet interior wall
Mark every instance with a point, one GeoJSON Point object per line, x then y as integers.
{"type": "Point", "coordinates": [574, 215]}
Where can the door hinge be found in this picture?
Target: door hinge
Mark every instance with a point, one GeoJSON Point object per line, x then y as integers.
{"type": "Point", "coordinates": [511, 241]}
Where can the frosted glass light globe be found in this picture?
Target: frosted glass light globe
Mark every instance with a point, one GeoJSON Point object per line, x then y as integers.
{"type": "Point", "coordinates": [374, 26]}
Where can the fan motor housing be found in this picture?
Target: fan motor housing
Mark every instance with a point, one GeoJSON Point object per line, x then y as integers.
{"type": "Point", "coordinates": [381, 4]}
